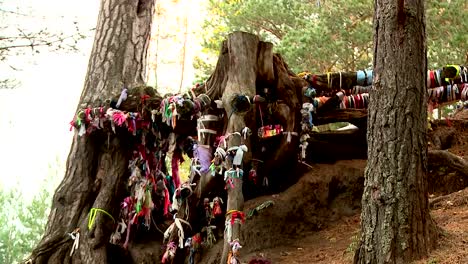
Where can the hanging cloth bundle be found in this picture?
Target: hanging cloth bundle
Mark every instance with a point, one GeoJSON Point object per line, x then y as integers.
{"type": "Point", "coordinates": [75, 235]}
{"type": "Point", "coordinates": [169, 182]}
{"type": "Point", "coordinates": [240, 104]}
{"type": "Point", "coordinates": [185, 108]}
{"type": "Point", "coordinates": [204, 157]}
{"type": "Point", "coordinates": [237, 217]}
{"type": "Point", "coordinates": [117, 235]}
{"type": "Point", "coordinates": [216, 206]}
{"type": "Point", "coordinates": [232, 174]}
{"type": "Point", "coordinates": [216, 166]}
{"type": "Point", "coordinates": [122, 98]}
{"type": "Point", "coordinates": [266, 131]}
{"type": "Point", "coordinates": [170, 253]}
{"type": "Point", "coordinates": [310, 91]}
{"type": "Point", "coordinates": [464, 75]}
{"type": "Point", "coordinates": [181, 194]}
{"type": "Point", "coordinates": [303, 146]}
{"type": "Point", "coordinates": [234, 253]}
{"type": "Point", "coordinates": [239, 155]}
{"type": "Point", "coordinates": [180, 230]}
{"type": "Point", "coordinates": [210, 237]}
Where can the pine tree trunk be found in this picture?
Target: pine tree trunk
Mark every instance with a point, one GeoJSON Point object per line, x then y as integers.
{"type": "Point", "coordinates": [97, 163]}
{"type": "Point", "coordinates": [396, 225]}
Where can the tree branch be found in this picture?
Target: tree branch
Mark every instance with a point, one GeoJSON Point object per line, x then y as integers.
{"type": "Point", "coordinates": [349, 79]}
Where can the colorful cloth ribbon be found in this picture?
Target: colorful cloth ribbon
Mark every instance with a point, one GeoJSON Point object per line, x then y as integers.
{"type": "Point", "coordinates": [92, 216]}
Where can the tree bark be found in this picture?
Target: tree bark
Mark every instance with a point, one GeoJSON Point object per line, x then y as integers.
{"type": "Point", "coordinates": [95, 171]}
{"type": "Point", "coordinates": [242, 74]}
{"type": "Point", "coordinates": [396, 225]}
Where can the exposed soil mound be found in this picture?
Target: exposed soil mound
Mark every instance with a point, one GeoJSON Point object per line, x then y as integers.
{"type": "Point", "coordinates": [316, 220]}
{"type": "Point", "coordinates": [336, 243]}
{"type": "Point", "coordinates": [324, 195]}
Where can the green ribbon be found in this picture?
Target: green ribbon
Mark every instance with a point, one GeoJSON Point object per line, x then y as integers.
{"type": "Point", "coordinates": [260, 207]}
{"type": "Point", "coordinates": [92, 216]}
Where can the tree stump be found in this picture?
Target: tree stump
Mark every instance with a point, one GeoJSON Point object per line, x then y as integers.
{"type": "Point", "coordinates": [242, 75]}
{"type": "Point", "coordinates": [245, 67]}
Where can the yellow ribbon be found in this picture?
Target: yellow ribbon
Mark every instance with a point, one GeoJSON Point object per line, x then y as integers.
{"type": "Point", "coordinates": [232, 211]}
{"type": "Point", "coordinates": [92, 216]}
{"type": "Point", "coordinates": [457, 68]}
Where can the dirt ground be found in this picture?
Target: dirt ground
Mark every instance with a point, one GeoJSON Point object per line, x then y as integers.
{"type": "Point", "coordinates": [317, 220]}
{"type": "Point", "coordinates": [336, 244]}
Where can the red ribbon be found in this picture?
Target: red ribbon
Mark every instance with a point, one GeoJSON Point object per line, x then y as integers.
{"type": "Point", "coordinates": [196, 239]}
{"type": "Point", "coordinates": [229, 181]}
{"type": "Point", "coordinates": [238, 214]}
{"type": "Point", "coordinates": [314, 79]}
{"type": "Point", "coordinates": [72, 124]}
{"type": "Point", "coordinates": [167, 202]}
{"type": "Point", "coordinates": [119, 118]}
{"type": "Point", "coordinates": [432, 78]}
{"type": "Point", "coordinates": [253, 176]}
{"type": "Point", "coordinates": [88, 114]}
{"type": "Point", "coordinates": [448, 122]}
{"type": "Point", "coordinates": [144, 98]}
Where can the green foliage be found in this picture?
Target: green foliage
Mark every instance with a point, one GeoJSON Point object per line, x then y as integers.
{"type": "Point", "coordinates": [446, 25]}
{"type": "Point", "coordinates": [204, 69]}
{"type": "Point", "coordinates": [335, 35]}
{"type": "Point", "coordinates": [352, 247]}
{"type": "Point", "coordinates": [185, 168]}
{"type": "Point", "coordinates": [23, 223]}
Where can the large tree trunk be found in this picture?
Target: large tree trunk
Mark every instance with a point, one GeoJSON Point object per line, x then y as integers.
{"type": "Point", "coordinates": [396, 225]}
{"type": "Point", "coordinates": [97, 163]}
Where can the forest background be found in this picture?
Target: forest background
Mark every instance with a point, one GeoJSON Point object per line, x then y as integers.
{"type": "Point", "coordinates": [317, 36]}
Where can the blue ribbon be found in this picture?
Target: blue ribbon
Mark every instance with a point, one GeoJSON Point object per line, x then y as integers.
{"type": "Point", "coordinates": [361, 77]}
{"type": "Point", "coordinates": [310, 92]}
{"type": "Point", "coordinates": [310, 119]}
{"type": "Point", "coordinates": [369, 77]}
